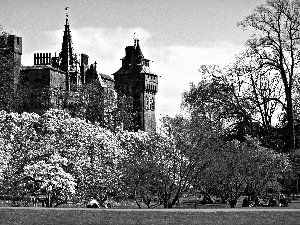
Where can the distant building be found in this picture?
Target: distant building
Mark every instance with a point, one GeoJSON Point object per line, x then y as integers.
{"type": "Point", "coordinates": [67, 72]}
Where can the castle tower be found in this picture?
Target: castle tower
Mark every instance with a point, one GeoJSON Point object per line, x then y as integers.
{"type": "Point", "coordinates": [135, 79]}
{"type": "Point", "coordinates": [15, 46]}
{"type": "Point", "coordinates": [10, 54]}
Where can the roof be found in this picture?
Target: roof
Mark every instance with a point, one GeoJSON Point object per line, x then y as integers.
{"type": "Point", "coordinates": [106, 77]}
{"type": "Point", "coordinates": [141, 69]}
{"type": "Point", "coordinates": [106, 80]}
{"type": "Point", "coordinates": [41, 67]}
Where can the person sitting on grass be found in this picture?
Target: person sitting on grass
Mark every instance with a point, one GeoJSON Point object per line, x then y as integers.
{"type": "Point", "coordinates": [283, 201]}
{"type": "Point", "coordinates": [93, 204]}
{"type": "Point", "coordinates": [272, 202]}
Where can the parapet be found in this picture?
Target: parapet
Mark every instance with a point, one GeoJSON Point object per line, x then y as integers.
{"type": "Point", "coordinates": [42, 59]}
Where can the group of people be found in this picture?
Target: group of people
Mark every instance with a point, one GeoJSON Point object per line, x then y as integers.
{"type": "Point", "coordinates": [271, 202]}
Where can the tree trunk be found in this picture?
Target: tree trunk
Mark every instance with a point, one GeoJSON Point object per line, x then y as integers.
{"type": "Point", "coordinates": [290, 121]}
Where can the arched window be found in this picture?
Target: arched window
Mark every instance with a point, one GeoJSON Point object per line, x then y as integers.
{"type": "Point", "coordinates": [152, 104]}
{"type": "Point", "coordinates": [147, 102]}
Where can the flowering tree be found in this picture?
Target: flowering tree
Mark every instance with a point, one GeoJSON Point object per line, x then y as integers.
{"type": "Point", "coordinates": [93, 152]}
{"type": "Point", "coordinates": [19, 146]}
{"type": "Point", "coordinates": [30, 141]}
{"type": "Point", "coordinates": [48, 182]}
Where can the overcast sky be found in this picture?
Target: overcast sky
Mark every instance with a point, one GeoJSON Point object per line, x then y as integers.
{"type": "Point", "coordinates": [177, 35]}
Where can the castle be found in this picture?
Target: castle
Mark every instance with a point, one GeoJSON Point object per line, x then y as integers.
{"type": "Point", "coordinates": [68, 70]}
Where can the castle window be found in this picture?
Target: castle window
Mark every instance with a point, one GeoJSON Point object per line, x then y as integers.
{"type": "Point", "coordinates": [151, 104]}
{"type": "Point", "coordinates": [152, 107]}
{"type": "Point", "coordinates": [147, 103]}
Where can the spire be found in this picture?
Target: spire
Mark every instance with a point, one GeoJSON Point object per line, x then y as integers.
{"type": "Point", "coordinates": [66, 55]}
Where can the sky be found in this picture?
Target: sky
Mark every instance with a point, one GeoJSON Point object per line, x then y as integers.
{"type": "Point", "coordinates": [178, 36]}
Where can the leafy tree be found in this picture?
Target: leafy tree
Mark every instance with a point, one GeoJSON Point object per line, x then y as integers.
{"type": "Point", "coordinates": [240, 100]}
{"type": "Point", "coordinates": [157, 169]}
{"type": "Point", "coordinates": [141, 164]}
{"type": "Point", "coordinates": [260, 87]}
{"type": "Point", "coordinates": [219, 98]}
{"type": "Point", "coordinates": [192, 140]}
{"type": "Point", "coordinates": [275, 43]}
{"type": "Point", "coordinates": [100, 105]}
{"type": "Point", "coordinates": [246, 167]}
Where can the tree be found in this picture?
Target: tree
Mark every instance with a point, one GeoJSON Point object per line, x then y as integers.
{"type": "Point", "coordinates": [260, 87]}
{"type": "Point", "coordinates": [48, 181]}
{"type": "Point", "coordinates": [93, 152]}
{"type": "Point", "coordinates": [100, 105]}
{"type": "Point", "coordinates": [90, 153]}
{"type": "Point", "coordinates": [158, 169]}
{"type": "Point", "coordinates": [246, 167]}
{"type": "Point", "coordinates": [276, 46]}
{"type": "Point", "coordinates": [143, 155]}
{"type": "Point", "coordinates": [192, 142]}
{"type": "Point", "coordinates": [19, 145]}
{"type": "Point", "coordinates": [219, 98]}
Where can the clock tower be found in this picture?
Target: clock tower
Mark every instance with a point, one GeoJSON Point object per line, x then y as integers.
{"type": "Point", "coordinates": [136, 80]}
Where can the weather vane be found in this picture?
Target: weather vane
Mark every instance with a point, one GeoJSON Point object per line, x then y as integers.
{"type": "Point", "coordinates": [66, 11]}
{"type": "Point", "coordinates": [134, 38]}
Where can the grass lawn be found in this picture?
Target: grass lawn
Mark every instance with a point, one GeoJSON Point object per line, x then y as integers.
{"type": "Point", "coordinates": [98, 216]}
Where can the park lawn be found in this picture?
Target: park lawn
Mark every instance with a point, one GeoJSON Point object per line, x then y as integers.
{"type": "Point", "coordinates": [99, 216]}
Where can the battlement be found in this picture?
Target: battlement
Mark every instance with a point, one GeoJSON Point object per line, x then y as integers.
{"type": "Point", "coordinates": [42, 59]}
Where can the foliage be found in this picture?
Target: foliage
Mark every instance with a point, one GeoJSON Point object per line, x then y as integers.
{"type": "Point", "coordinates": [275, 44]}
{"type": "Point", "coordinates": [142, 166]}
{"type": "Point", "coordinates": [92, 151]}
{"type": "Point", "coordinates": [48, 182]}
{"type": "Point", "coordinates": [238, 100]}
{"type": "Point", "coordinates": [193, 140]}
{"type": "Point", "coordinates": [160, 168]}
{"type": "Point", "coordinates": [100, 105]}
{"type": "Point", "coordinates": [28, 140]}
{"type": "Point", "coordinates": [246, 167]}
